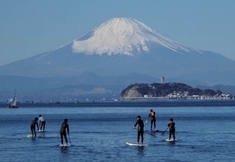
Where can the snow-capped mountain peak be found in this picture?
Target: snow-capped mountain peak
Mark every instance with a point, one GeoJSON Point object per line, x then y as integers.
{"type": "Point", "coordinates": [123, 36]}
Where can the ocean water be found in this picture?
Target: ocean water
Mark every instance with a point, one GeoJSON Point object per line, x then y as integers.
{"type": "Point", "coordinates": [204, 134]}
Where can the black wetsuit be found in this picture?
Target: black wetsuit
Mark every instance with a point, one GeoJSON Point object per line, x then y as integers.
{"type": "Point", "coordinates": [140, 132]}
{"type": "Point", "coordinates": [153, 119]}
{"type": "Point", "coordinates": [32, 127]}
{"type": "Point", "coordinates": [63, 132]}
{"type": "Point", "coordinates": [171, 124]}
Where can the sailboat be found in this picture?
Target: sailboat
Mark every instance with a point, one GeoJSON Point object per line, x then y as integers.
{"type": "Point", "coordinates": [12, 103]}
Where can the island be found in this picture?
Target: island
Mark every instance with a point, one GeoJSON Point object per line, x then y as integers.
{"type": "Point", "coordinates": [170, 91]}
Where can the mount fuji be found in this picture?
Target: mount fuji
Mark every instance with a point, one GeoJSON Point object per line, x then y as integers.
{"type": "Point", "coordinates": [123, 47]}
{"type": "Point", "coordinates": [123, 36]}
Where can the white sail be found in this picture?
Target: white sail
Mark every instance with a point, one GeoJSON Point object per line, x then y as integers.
{"type": "Point", "coordinates": [13, 102]}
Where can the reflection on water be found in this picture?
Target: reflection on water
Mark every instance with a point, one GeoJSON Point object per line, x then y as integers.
{"type": "Point", "coordinates": [140, 150]}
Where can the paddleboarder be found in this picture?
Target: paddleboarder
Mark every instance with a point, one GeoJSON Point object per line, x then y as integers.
{"type": "Point", "coordinates": [42, 122]}
{"type": "Point", "coordinates": [32, 127]}
{"type": "Point", "coordinates": [64, 130]}
{"type": "Point", "coordinates": [140, 129]}
{"type": "Point", "coordinates": [171, 125]}
{"type": "Point", "coordinates": [152, 115]}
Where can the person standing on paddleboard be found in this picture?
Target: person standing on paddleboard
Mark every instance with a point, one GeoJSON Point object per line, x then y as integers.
{"type": "Point", "coordinates": [42, 123]}
{"type": "Point", "coordinates": [140, 129]}
{"type": "Point", "coordinates": [171, 125]}
{"type": "Point", "coordinates": [32, 127]}
{"type": "Point", "coordinates": [64, 130]}
{"type": "Point", "coordinates": [153, 119]}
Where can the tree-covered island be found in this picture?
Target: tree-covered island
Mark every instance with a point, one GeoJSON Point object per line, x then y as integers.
{"type": "Point", "coordinates": [170, 91]}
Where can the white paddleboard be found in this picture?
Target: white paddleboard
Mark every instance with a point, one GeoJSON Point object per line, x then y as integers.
{"type": "Point", "coordinates": [136, 144]}
{"type": "Point", "coordinates": [65, 145]}
{"type": "Point", "coordinates": [171, 140]}
{"type": "Point", "coordinates": [30, 136]}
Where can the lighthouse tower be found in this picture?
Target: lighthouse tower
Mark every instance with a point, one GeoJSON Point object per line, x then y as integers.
{"type": "Point", "coordinates": [162, 80]}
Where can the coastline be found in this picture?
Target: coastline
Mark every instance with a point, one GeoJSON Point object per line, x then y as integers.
{"type": "Point", "coordinates": [144, 103]}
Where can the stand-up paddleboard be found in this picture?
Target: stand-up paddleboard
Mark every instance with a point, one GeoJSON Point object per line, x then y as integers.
{"type": "Point", "coordinates": [65, 145]}
{"type": "Point", "coordinates": [136, 144]}
{"type": "Point", "coordinates": [40, 130]}
{"type": "Point", "coordinates": [154, 131]}
{"type": "Point", "coordinates": [30, 136]}
{"type": "Point", "coordinates": [171, 140]}
{"type": "Point", "coordinates": [150, 133]}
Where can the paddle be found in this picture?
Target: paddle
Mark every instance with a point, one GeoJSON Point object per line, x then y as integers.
{"type": "Point", "coordinates": [164, 131]}
{"type": "Point", "coordinates": [69, 140]}
{"type": "Point", "coordinates": [145, 121]}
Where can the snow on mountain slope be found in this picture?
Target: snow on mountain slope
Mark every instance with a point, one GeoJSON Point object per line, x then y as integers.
{"type": "Point", "coordinates": [123, 36]}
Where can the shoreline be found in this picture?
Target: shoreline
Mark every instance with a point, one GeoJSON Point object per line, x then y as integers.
{"type": "Point", "coordinates": [157, 103]}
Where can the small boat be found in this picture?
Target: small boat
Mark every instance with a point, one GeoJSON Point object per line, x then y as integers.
{"type": "Point", "coordinates": [12, 103]}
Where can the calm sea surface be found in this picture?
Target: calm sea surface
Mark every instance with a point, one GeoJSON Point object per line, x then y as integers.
{"type": "Point", "coordinates": [204, 134]}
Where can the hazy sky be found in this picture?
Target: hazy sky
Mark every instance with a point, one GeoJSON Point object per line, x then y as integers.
{"type": "Point", "coordinates": [30, 27]}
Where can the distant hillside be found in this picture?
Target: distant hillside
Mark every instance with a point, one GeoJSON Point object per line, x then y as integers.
{"type": "Point", "coordinates": [170, 90]}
